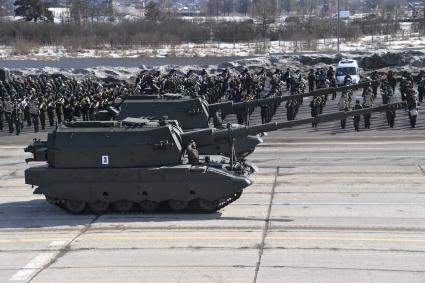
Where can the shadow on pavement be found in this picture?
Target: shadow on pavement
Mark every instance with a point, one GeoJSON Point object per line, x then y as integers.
{"type": "Point", "coordinates": [40, 214]}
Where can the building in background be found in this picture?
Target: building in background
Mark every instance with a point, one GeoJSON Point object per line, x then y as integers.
{"type": "Point", "coordinates": [128, 9]}
{"type": "Point", "coordinates": [61, 14]}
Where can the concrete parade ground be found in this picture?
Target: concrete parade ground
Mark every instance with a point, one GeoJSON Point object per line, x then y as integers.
{"type": "Point", "coordinates": [328, 205]}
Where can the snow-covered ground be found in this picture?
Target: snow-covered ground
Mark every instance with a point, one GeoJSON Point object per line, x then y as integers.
{"type": "Point", "coordinates": [377, 60]}
{"type": "Point", "coordinates": [368, 43]}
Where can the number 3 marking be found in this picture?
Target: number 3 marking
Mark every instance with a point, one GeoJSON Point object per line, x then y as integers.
{"type": "Point", "coordinates": [105, 160]}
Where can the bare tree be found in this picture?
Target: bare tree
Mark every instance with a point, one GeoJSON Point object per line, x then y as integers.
{"type": "Point", "coordinates": [213, 7]}
{"type": "Point", "coordinates": [265, 10]}
{"type": "Point", "coordinates": [228, 6]}
{"type": "Point", "coordinates": [243, 6]}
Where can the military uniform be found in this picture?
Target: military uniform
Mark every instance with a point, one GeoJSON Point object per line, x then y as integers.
{"type": "Point", "coordinates": [311, 80]}
{"type": "Point", "coordinates": [405, 82]}
{"type": "Point", "coordinates": [357, 117]}
{"type": "Point", "coordinates": [51, 113]}
{"type": "Point", "coordinates": [290, 109]}
{"type": "Point", "coordinates": [217, 120]}
{"type": "Point", "coordinates": [27, 115]}
{"type": "Point", "coordinates": [43, 110]}
{"type": "Point", "coordinates": [412, 106]}
{"type": "Point", "coordinates": [388, 97]}
{"type": "Point", "coordinates": [1, 116]}
{"type": "Point", "coordinates": [315, 106]}
{"type": "Point", "coordinates": [367, 103]}
{"type": "Point", "coordinates": [332, 81]}
{"type": "Point", "coordinates": [16, 118]}
{"type": "Point", "coordinates": [8, 109]}
{"type": "Point", "coordinates": [287, 77]}
{"type": "Point", "coordinates": [34, 111]}
{"type": "Point", "coordinates": [85, 103]}
{"type": "Point", "coordinates": [421, 86]}
{"type": "Point", "coordinates": [344, 105]}
{"type": "Point", "coordinates": [391, 80]}
{"type": "Point", "coordinates": [59, 110]}
{"type": "Point", "coordinates": [375, 77]}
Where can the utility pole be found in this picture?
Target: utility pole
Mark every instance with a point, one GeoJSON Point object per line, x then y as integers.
{"type": "Point", "coordinates": [337, 26]}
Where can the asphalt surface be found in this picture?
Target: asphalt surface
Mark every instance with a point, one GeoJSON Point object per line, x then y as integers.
{"type": "Point", "coordinates": [328, 205]}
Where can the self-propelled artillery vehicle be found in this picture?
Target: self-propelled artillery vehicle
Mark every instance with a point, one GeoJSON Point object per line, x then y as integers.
{"type": "Point", "coordinates": [195, 113]}
{"type": "Point", "coordinates": [142, 163]}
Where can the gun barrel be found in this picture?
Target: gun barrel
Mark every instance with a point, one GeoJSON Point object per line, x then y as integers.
{"type": "Point", "coordinates": [269, 127]}
{"type": "Point", "coordinates": [238, 107]}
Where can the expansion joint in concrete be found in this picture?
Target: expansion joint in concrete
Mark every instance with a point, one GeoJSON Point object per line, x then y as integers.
{"type": "Point", "coordinates": [266, 226]}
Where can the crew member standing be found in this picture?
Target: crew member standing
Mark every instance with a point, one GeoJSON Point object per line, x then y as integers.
{"type": "Point", "coordinates": [192, 153]}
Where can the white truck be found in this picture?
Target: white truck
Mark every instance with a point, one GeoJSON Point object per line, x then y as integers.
{"type": "Point", "coordinates": [349, 67]}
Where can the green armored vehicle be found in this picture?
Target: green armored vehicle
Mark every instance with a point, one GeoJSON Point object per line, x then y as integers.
{"type": "Point", "coordinates": [195, 113]}
{"type": "Point", "coordinates": [96, 165]}
{"type": "Point", "coordinates": [141, 163]}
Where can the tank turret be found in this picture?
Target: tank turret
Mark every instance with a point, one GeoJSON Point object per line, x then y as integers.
{"type": "Point", "coordinates": [192, 113]}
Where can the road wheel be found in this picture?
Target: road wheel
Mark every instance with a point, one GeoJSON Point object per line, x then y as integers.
{"type": "Point", "coordinates": [75, 206]}
{"type": "Point", "coordinates": [207, 205]}
{"type": "Point", "coordinates": [99, 207]}
{"type": "Point", "coordinates": [123, 206]}
{"type": "Point", "coordinates": [177, 205]}
{"type": "Point", "coordinates": [148, 205]}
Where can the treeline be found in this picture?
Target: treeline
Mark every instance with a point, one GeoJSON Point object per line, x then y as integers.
{"type": "Point", "coordinates": [301, 7]}
{"type": "Point", "coordinates": [177, 31]}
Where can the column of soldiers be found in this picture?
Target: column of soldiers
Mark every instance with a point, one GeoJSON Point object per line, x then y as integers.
{"type": "Point", "coordinates": [34, 101]}
{"type": "Point", "coordinates": [387, 86]}
{"type": "Point", "coordinates": [369, 95]}
{"type": "Point", "coordinates": [412, 97]}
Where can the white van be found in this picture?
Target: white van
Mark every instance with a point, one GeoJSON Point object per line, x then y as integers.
{"type": "Point", "coordinates": [345, 67]}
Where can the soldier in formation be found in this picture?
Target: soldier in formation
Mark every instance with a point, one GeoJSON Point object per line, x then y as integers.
{"type": "Point", "coordinates": [1, 116]}
{"type": "Point", "coordinates": [344, 104]}
{"type": "Point", "coordinates": [421, 86]}
{"type": "Point", "coordinates": [356, 118]}
{"type": "Point", "coordinates": [388, 97]}
{"type": "Point", "coordinates": [368, 98]}
{"type": "Point", "coordinates": [405, 82]}
{"type": "Point", "coordinates": [330, 74]}
{"type": "Point", "coordinates": [311, 80]}
{"type": "Point", "coordinates": [31, 98]}
{"type": "Point", "coordinates": [375, 77]}
{"type": "Point", "coordinates": [315, 106]}
{"type": "Point", "coordinates": [412, 104]}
